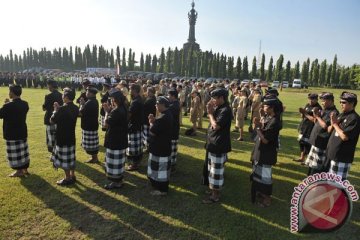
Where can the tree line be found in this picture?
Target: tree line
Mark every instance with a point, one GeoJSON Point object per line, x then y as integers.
{"type": "Point", "coordinates": [191, 64]}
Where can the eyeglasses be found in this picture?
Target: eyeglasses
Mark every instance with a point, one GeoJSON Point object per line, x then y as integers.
{"type": "Point", "coordinates": [343, 102]}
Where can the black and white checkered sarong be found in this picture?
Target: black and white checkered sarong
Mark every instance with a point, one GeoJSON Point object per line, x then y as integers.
{"type": "Point", "coordinates": [115, 163]}
{"type": "Point", "coordinates": [64, 157]}
{"type": "Point", "coordinates": [159, 168]}
{"type": "Point", "coordinates": [145, 135]}
{"type": "Point", "coordinates": [174, 149]}
{"type": "Point", "coordinates": [90, 141]}
{"type": "Point", "coordinates": [340, 168]}
{"type": "Point", "coordinates": [316, 158]}
{"type": "Point", "coordinates": [50, 135]}
{"type": "Point", "coordinates": [17, 152]}
{"type": "Point", "coordinates": [216, 169]}
{"type": "Point", "coordinates": [134, 144]}
{"type": "Point", "coordinates": [262, 173]}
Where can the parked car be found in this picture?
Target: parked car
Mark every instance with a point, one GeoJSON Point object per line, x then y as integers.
{"type": "Point", "coordinates": [256, 81]}
{"type": "Point", "coordinates": [296, 83]}
{"type": "Point", "coordinates": [245, 81]}
{"type": "Point", "coordinates": [275, 84]}
{"type": "Point", "coordinates": [285, 84]}
{"type": "Point", "coordinates": [264, 84]}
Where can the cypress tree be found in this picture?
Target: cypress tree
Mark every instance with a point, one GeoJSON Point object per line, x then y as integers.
{"type": "Point", "coordinates": [123, 62]}
{"type": "Point", "coordinates": [333, 79]}
{"type": "Point", "coordinates": [262, 67]}
{"type": "Point", "coordinates": [254, 69]}
{"type": "Point", "coordinates": [269, 73]}
{"type": "Point", "coordinates": [169, 61]}
{"type": "Point", "coordinates": [245, 69]}
{"type": "Point", "coordinates": [142, 63]}
{"type": "Point", "coordinates": [162, 61]}
{"type": "Point", "coordinates": [238, 68]}
{"type": "Point", "coordinates": [322, 73]}
{"type": "Point", "coordinates": [288, 71]}
{"type": "Point", "coordinates": [154, 64]}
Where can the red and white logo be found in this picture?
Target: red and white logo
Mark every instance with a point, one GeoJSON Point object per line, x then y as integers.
{"type": "Point", "coordinates": [325, 206]}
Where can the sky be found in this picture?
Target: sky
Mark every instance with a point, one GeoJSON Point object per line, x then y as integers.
{"type": "Point", "coordinates": [298, 29]}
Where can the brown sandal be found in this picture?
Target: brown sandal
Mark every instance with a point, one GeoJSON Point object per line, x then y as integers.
{"type": "Point", "coordinates": [210, 200]}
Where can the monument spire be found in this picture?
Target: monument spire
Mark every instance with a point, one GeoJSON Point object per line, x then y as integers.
{"type": "Point", "coordinates": [192, 15]}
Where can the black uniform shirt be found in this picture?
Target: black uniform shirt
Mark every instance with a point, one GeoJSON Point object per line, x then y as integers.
{"type": "Point", "coordinates": [136, 111]}
{"type": "Point", "coordinates": [306, 125]}
{"type": "Point", "coordinates": [65, 119]}
{"type": "Point", "coordinates": [175, 111]}
{"type": "Point", "coordinates": [14, 115]}
{"type": "Point", "coordinates": [160, 142]}
{"type": "Point", "coordinates": [90, 115]}
{"type": "Point", "coordinates": [149, 108]}
{"type": "Point", "coordinates": [267, 153]}
{"type": "Point", "coordinates": [48, 105]}
{"type": "Point", "coordinates": [218, 141]}
{"type": "Point", "coordinates": [116, 136]}
{"type": "Point", "coordinates": [104, 99]}
{"type": "Point", "coordinates": [343, 151]}
{"type": "Point", "coordinates": [319, 136]}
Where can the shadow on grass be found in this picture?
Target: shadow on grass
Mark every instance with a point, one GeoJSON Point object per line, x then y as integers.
{"type": "Point", "coordinates": [81, 217]}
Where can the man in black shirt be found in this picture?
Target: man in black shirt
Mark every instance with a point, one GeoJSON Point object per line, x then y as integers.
{"type": "Point", "coordinates": [175, 110]}
{"type": "Point", "coordinates": [48, 107]}
{"type": "Point", "coordinates": [116, 138]}
{"type": "Point", "coordinates": [85, 84]}
{"type": "Point", "coordinates": [306, 125]}
{"type": "Point", "coordinates": [136, 111]}
{"type": "Point", "coordinates": [89, 112]}
{"type": "Point", "coordinates": [149, 108]}
{"type": "Point", "coordinates": [159, 162]}
{"type": "Point", "coordinates": [217, 143]}
{"type": "Point", "coordinates": [344, 137]}
{"type": "Point", "coordinates": [65, 118]}
{"type": "Point", "coordinates": [104, 99]}
{"type": "Point", "coordinates": [320, 134]}
{"type": "Point", "coordinates": [15, 131]}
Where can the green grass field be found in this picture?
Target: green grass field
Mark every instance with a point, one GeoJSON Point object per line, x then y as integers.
{"type": "Point", "coordinates": [36, 208]}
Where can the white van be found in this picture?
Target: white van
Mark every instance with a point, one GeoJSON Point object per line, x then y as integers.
{"type": "Point", "coordinates": [296, 83]}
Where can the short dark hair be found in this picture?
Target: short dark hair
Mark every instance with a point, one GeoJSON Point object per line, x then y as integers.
{"type": "Point", "coordinates": [15, 89]}
{"type": "Point", "coordinates": [136, 88]}
{"type": "Point", "coordinates": [69, 93]}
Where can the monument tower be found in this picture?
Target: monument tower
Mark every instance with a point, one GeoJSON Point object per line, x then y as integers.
{"type": "Point", "coordinates": [192, 21]}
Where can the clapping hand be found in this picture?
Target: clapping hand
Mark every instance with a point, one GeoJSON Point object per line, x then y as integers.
{"type": "Point", "coordinates": [333, 118]}
{"type": "Point", "coordinates": [151, 118]}
{"type": "Point", "coordinates": [106, 107]}
{"type": "Point", "coordinates": [82, 101]}
{"type": "Point", "coordinates": [210, 107]}
{"type": "Point", "coordinates": [56, 106]}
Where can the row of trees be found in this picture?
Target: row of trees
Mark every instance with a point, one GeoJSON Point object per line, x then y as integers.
{"type": "Point", "coordinates": [191, 63]}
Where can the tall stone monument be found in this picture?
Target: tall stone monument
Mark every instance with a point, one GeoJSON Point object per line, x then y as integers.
{"type": "Point", "coordinates": [191, 40]}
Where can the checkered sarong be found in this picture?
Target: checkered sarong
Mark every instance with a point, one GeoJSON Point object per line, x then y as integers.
{"type": "Point", "coordinates": [216, 169]}
{"type": "Point", "coordinates": [316, 158]}
{"type": "Point", "coordinates": [64, 157]}
{"type": "Point", "coordinates": [145, 135]}
{"type": "Point", "coordinates": [340, 168]}
{"type": "Point", "coordinates": [262, 173]}
{"type": "Point", "coordinates": [50, 135]}
{"type": "Point", "coordinates": [174, 149]}
{"type": "Point", "coordinates": [159, 168]}
{"type": "Point", "coordinates": [90, 141]}
{"type": "Point", "coordinates": [134, 144]}
{"type": "Point", "coordinates": [115, 163]}
{"type": "Point", "coordinates": [17, 152]}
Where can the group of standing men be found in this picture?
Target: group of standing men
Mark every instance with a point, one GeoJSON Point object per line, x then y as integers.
{"type": "Point", "coordinates": [153, 122]}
